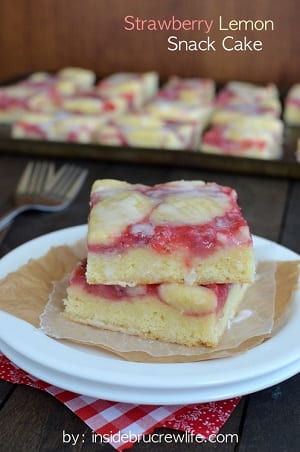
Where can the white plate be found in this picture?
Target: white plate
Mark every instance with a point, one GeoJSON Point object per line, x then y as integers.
{"type": "Point", "coordinates": [99, 374]}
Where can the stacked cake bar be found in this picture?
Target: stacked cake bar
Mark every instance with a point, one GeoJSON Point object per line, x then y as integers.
{"type": "Point", "coordinates": [246, 122]}
{"type": "Point", "coordinates": [292, 106]}
{"type": "Point", "coordinates": [169, 262]}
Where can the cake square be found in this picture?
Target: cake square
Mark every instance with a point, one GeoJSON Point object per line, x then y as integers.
{"type": "Point", "coordinates": [91, 103]}
{"type": "Point", "coordinates": [263, 122]}
{"type": "Point", "coordinates": [181, 231]}
{"type": "Point", "coordinates": [14, 101]}
{"type": "Point", "coordinates": [244, 139]}
{"type": "Point", "coordinates": [136, 88]}
{"type": "Point", "coordinates": [73, 79]}
{"type": "Point", "coordinates": [33, 126]}
{"type": "Point", "coordinates": [250, 91]}
{"type": "Point", "coordinates": [292, 106]}
{"type": "Point", "coordinates": [174, 110]}
{"type": "Point", "coordinates": [249, 99]}
{"type": "Point", "coordinates": [298, 150]}
{"type": "Point", "coordinates": [169, 312]}
{"type": "Point", "coordinates": [269, 107]}
{"type": "Point", "coordinates": [188, 90]}
{"type": "Point", "coordinates": [42, 92]}
{"type": "Point", "coordinates": [141, 130]}
{"type": "Point", "coordinates": [87, 102]}
{"type": "Point", "coordinates": [45, 102]}
{"type": "Point", "coordinates": [78, 128]}
{"type": "Point", "coordinates": [57, 127]}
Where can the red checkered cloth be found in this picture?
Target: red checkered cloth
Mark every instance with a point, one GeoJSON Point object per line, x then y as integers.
{"type": "Point", "coordinates": [122, 424]}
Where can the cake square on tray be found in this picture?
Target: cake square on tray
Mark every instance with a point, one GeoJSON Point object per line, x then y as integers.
{"type": "Point", "coordinates": [141, 130]}
{"type": "Point", "coordinates": [292, 106]}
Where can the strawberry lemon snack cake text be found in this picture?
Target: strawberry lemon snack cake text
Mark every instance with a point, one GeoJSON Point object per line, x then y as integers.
{"type": "Point", "coordinates": [178, 232]}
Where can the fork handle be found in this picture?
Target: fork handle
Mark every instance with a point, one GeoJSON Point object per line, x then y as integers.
{"type": "Point", "coordinates": [10, 214]}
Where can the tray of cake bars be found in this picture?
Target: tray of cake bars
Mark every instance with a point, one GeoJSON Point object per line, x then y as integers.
{"type": "Point", "coordinates": [134, 117]}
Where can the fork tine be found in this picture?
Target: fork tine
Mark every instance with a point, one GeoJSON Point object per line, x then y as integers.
{"type": "Point", "coordinates": [59, 178]}
{"type": "Point", "coordinates": [25, 178]}
{"type": "Point", "coordinates": [33, 177]}
{"type": "Point", "coordinates": [31, 194]}
{"type": "Point", "coordinates": [41, 177]}
{"type": "Point", "coordinates": [67, 182]}
{"type": "Point", "coordinates": [36, 177]}
{"type": "Point", "coordinates": [74, 189]}
{"type": "Point", "coordinates": [50, 175]}
{"type": "Point", "coordinates": [70, 178]}
{"type": "Point", "coordinates": [71, 174]}
{"type": "Point", "coordinates": [60, 174]}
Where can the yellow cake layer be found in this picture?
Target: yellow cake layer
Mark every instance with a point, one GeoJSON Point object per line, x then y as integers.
{"type": "Point", "coordinates": [292, 115]}
{"type": "Point", "coordinates": [149, 317]}
{"type": "Point", "coordinates": [144, 266]}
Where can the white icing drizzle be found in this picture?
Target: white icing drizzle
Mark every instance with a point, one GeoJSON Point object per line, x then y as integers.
{"type": "Point", "coordinates": [144, 229]}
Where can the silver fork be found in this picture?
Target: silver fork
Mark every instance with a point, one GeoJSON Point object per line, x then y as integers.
{"type": "Point", "coordinates": [41, 188]}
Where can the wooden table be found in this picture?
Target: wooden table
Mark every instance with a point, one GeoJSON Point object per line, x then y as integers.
{"type": "Point", "coordinates": [265, 421]}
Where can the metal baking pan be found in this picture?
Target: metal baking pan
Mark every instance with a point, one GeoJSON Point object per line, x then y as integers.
{"type": "Point", "coordinates": [287, 166]}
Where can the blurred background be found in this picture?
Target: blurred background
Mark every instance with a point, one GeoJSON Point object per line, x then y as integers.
{"type": "Point", "coordinates": [51, 34]}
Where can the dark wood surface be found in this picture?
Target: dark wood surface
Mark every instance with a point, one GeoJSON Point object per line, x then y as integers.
{"type": "Point", "coordinates": [50, 34]}
{"type": "Point", "coordinates": [265, 421]}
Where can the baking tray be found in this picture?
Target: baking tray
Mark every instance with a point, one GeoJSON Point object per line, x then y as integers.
{"type": "Point", "coordinates": [287, 166]}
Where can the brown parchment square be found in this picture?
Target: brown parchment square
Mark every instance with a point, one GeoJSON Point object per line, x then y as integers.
{"type": "Point", "coordinates": [25, 293]}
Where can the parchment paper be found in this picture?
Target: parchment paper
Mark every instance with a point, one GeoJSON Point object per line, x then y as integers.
{"type": "Point", "coordinates": [25, 294]}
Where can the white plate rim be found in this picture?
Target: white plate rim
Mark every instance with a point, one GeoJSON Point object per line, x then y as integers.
{"type": "Point", "coordinates": [154, 396]}
{"type": "Point", "coordinates": [151, 376]}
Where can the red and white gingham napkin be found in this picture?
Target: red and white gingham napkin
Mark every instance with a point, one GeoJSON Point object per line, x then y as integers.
{"type": "Point", "coordinates": [122, 424]}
